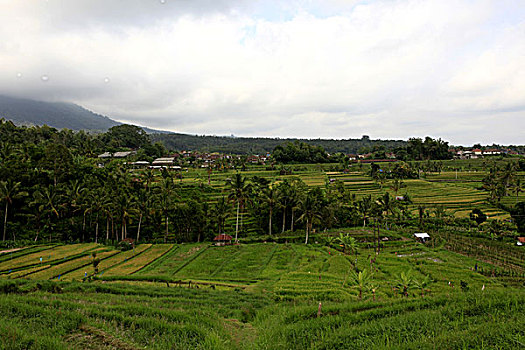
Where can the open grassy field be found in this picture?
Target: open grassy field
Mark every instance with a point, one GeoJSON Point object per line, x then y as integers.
{"type": "Point", "coordinates": [265, 296]}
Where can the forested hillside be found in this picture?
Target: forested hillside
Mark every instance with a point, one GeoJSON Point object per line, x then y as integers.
{"type": "Point", "coordinates": [55, 114]}
{"type": "Point", "coordinates": [261, 145]}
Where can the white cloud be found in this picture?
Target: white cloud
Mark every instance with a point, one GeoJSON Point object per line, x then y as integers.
{"type": "Point", "coordinates": [390, 69]}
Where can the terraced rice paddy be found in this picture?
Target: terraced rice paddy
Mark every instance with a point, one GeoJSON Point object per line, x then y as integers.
{"type": "Point", "coordinates": [257, 296]}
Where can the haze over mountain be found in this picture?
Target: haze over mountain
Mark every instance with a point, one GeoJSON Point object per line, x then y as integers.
{"type": "Point", "coordinates": [55, 114]}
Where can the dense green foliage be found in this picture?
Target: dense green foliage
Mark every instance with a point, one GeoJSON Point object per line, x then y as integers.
{"type": "Point", "coordinates": [260, 145]}
{"type": "Point", "coordinates": [53, 188]}
{"type": "Point", "coordinates": [299, 152]}
{"type": "Point", "coordinates": [518, 214]}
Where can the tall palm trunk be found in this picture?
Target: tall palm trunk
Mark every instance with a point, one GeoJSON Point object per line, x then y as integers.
{"type": "Point", "coordinates": [237, 223]}
{"type": "Point", "coordinates": [270, 223]}
{"type": "Point", "coordinates": [307, 230]}
{"type": "Point", "coordinates": [5, 219]}
{"type": "Point", "coordinates": [284, 220]}
{"type": "Point", "coordinates": [138, 229]}
{"type": "Point", "coordinates": [107, 228]}
{"type": "Point", "coordinates": [291, 225]}
{"type": "Point", "coordinates": [96, 230]}
{"type": "Point", "coordinates": [167, 224]}
{"type": "Point", "coordinates": [83, 226]}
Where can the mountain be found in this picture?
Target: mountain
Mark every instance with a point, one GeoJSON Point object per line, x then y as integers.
{"type": "Point", "coordinates": [71, 116]}
{"type": "Point", "coordinates": [55, 114]}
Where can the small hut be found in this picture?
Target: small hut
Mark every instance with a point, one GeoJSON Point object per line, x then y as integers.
{"type": "Point", "coordinates": [521, 241]}
{"type": "Point", "coordinates": [422, 236]}
{"type": "Point", "coordinates": [223, 239]}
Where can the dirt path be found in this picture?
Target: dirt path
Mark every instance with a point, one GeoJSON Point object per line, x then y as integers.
{"type": "Point", "coordinates": [10, 250]}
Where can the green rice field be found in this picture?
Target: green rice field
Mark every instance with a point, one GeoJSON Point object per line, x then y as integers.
{"type": "Point", "coordinates": [261, 296]}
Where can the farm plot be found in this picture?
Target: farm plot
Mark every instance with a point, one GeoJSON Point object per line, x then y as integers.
{"type": "Point", "coordinates": [175, 259]}
{"type": "Point", "coordinates": [247, 264]}
{"type": "Point", "coordinates": [139, 261]}
{"type": "Point", "coordinates": [13, 254]}
{"type": "Point", "coordinates": [88, 316]}
{"type": "Point", "coordinates": [209, 261]}
{"type": "Point", "coordinates": [281, 261]}
{"type": "Point", "coordinates": [107, 260]}
{"type": "Point", "coordinates": [63, 268]}
{"type": "Point", "coordinates": [47, 256]}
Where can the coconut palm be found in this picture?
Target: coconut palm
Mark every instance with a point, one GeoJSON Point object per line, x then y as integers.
{"type": "Point", "coordinates": [269, 196]}
{"type": "Point", "coordinates": [284, 199]}
{"type": "Point", "coordinates": [51, 200]}
{"type": "Point", "coordinates": [220, 212]}
{"type": "Point", "coordinates": [516, 188]}
{"type": "Point", "coordinates": [239, 190]}
{"type": "Point", "coordinates": [144, 204]}
{"type": "Point", "coordinates": [365, 207]}
{"type": "Point", "coordinates": [310, 208]}
{"type": "Point", "coordinates": [386, 205]}
{"type": "Point", "coordinates": [298, 192]}
{"type": "Point", "coordinates": [165, 200]}
{"type": "Point", "coordinates": [10, 191]}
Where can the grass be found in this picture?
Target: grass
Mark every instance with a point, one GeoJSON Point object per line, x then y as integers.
{"type": "Point", "coordinates": [262, 296]}
{"type": "Point", "coordinates": [139, 261]}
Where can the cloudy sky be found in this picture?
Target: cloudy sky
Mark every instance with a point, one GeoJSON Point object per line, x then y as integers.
{"type": "Point", "coordinates": [453, 69]}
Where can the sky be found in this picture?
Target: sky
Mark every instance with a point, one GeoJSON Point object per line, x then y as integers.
{"type": "Point", "coordinates": [390, 69]}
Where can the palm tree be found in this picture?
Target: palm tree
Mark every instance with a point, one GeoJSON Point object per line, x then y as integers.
{"type": "Point", "coordinates": [422, 283]}
{"type": "Point", "coordinates": [144, 204]}
{"type": "Point", "coordinates": [517, 189]}
{"type": "Point", "coordinates": [96, 198]}
{"type": "Point", "coordinates": [239, 193]}
{"type": "Point", "coordinates": [362, 280]}
{"type": "Point", "coordinates": [298, 192]}
{"type": "Point", "coordinates": [309, 207]}
{"type": "Point", "coordinates": [10, 191]}
{"type": "Point", "coordinates": [386, 205]}
{"type": "Point", "coordinates": [51, 204]}
{"type": "Point", "coordinates": [125, 204]}
{"type": "Point", "coordinates": [269, 196]}
{"type": "Point", "coordinates": [365, 207]}
{"type": "Point", "coordinates": [507, 175]}
{"type": "Point", "coordinates": [74, 194]}
{"type": "Point", "coordinates": [220, 213]}
{"type": "Point", "coordinates": [165, 200]}
{"type": "Point", "coordinates": [421, 213]}
{"type": "Point", "coordinates": [404, 282]}
{"type": "Point", "coordinates": [284, 199]}
{"type": "Point", "coordinates": [38, 203]}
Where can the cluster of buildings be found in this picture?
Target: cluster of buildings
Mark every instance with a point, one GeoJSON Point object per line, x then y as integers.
{"type": "Point", "coordinates": [203, 159]}
{"type": "Point", "coordinates": [479, 153]}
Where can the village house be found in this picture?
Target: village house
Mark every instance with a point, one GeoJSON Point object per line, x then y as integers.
{"type": "Point", "coordinates": [223, 239]}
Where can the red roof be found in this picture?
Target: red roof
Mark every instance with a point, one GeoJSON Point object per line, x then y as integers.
{"type": "Point", "coordinates": [521, 239]}
{"type": "Point", "coordinates": [223, 237]}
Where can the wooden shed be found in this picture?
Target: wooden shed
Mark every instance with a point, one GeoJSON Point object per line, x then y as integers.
{"type": "Point", "coordinates": [223, 239]}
